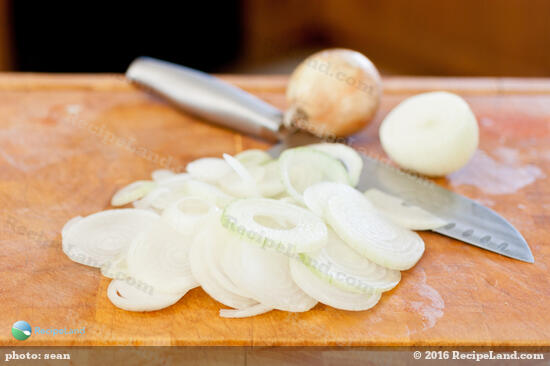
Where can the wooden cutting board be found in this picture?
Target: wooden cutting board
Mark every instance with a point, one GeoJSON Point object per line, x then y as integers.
{"type": "Point", "coordinates": [67, 143]}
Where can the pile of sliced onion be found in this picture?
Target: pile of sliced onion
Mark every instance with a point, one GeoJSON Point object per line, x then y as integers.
{"type": "Point", "coordinates": [256, 233]}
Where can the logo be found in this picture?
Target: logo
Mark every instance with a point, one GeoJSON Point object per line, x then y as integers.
{"type": "Point", "coordinates": [21, 330]}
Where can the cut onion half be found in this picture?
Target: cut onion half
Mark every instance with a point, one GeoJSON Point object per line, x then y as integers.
{"type": "Point", "coordinates": [132, 192]}
{"type": "Point", "coordinates": [159, 256]}
{"type": "Point", "coordinates": [104, 236]}
{"type": "Point", "coordinates": [277, 225]}
{"type": "Point", "coordinates": [302, 167]}
{"type": "Point", "coordinates": [347, 155]}
{"type": "Point", "coordinates": [329, 294]}
{"type": "Point", "coordinates": [395, 209]}
{"type": "Point", "coordinates": [358, 223]}
{"type": "Point", "coordinates": [130, 296]}
{"type": "Point", "coordinates": [338, 264]}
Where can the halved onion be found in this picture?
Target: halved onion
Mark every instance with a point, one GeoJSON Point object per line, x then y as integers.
{"type": "Point", "coordinates": [395, 209]}
{"type": "Point", "coordinates": [102, 237]}
{"type": "Point", "coordinates": [329, 294]}
{"type": "Point", "coordinates": [159, 256]}
{"type": "Point", "coordinates": [302, 167]}
{"type": "Point", "coordinates": [274, 224]}
{"type": "Point", "coordinates": [358, 223]}
{"type": "Point", "coordinates": [128, 295]}
{"type": "Point", "coordinates": [347, 155]}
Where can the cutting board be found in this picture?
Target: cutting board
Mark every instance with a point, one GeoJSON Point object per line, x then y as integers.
{"type": "Point", "coordinates": [67, 143]}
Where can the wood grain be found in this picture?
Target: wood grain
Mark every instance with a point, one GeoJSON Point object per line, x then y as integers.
{"type": "Point", "coordinates": [55, 165]}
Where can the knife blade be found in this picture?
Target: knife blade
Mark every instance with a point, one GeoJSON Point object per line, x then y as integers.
{"type": "Point", "coordinates": [212, 99]}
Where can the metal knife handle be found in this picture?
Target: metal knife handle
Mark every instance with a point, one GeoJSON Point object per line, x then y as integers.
{"type": "Point", "coordinates": [208, 97]}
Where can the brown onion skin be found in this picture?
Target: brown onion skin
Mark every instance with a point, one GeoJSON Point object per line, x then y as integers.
{"type": "Point", "coordinates": [333, 93]}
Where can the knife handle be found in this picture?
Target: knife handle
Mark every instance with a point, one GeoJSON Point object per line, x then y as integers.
{"type": "Point", "coordinates": [207, 97]}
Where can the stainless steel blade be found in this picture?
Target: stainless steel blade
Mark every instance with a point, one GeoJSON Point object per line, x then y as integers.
{"type": "Point", "coordinates": [468, 221]}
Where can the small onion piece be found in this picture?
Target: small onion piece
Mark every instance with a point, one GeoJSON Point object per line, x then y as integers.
{"type": "Point", "coordinates": [253, 157]}
{"type": "Point", "coordinates": [159, 257]}
{"type": "Point", "coordinates": [329, 294]}
{"type": "Point", "coordinates": [271, 223]}
{"type": "Point", "coordinates": [134, 298]}
{"type": "Point", "coordinates": [302, 167]}
{"type": "Point", "coordinates": [410, 217]}
{"type": "Point", "coordinates": [358, 223]}
{"type": "Point", "coordinates": [160, 175]}
{"type": "Point", "coordinates": [132, 192]}
{"type": "Point", "coordinates": [347, 155]}
{"type": "Point", "coordinates": [209, 170]}
{"type": "Point", "coordinates": [102, 237]}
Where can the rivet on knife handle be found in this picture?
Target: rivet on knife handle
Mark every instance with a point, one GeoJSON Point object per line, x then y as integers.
{"type": "Point", "coordinates": [207, 97]}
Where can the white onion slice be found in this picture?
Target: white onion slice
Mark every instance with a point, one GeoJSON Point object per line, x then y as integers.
{"type": "Point", "coordinates": [159, 256]}
{"type": "Point", "coordinates": [347, 155]}
{"type": "Point", "coordinates": [253, 157]}
{"type": "Point", "coordinates": [203, 265]}
{"type": "Point", "coordinates": [162, 174]}
{"type": "Point", "coordinates": [130, 297]}
{"type": "Point", "coordinates": [244, 313]}
{"type": "Point", "coordinates": [271, 184]}
{"type": "Point", "coordinates": [328, 294]}
{"type": "Point", "coordinates": [410, 217]}
{"type": "Point", "coordinates": [234, 185]}
{"type": "Point", "coordinates": [132, 192]}
{"type": "Point", "coordinates": [69, 224]}
{"type": "Point", "coordinates": [316, 196]}
{"type": "Point", "coordinates": [187, 214]}
{"type": "Point", "coordinates": [338, 264]}
{"type": "Point", "coordinates": [265, 275]}
{"type": "Point", "coordinates": [209, 170]}
{"type": "Point", "coordinates": [104, 236]}
{"type": "Point", "coordinates": [296, 230]}
{"type": "Point", "coordinates": [302, 167]}
{"type": "Point", "coordinates": [358, 223]}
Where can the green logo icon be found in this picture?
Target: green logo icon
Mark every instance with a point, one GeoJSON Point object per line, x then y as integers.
{"type": "Point", "coordinates": [21, 330]}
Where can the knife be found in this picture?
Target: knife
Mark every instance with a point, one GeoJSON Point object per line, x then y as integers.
{"type": "Point", "coordinates": [214, 100]}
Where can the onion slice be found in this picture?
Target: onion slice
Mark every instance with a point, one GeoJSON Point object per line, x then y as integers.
{"type": "Point", "coordinates": [187, 214]}
{"type": "Point", "coordinates": [302, 167]}
{"type": "Point", "coordinates": [104, 236]}
{"type": "Point", "coordinates": [271, 223]}
{"type": "Point", "coordinates": [316, 196]}
{"type": "Point", "coordinates": [160, 175]}
{"type": "Point", "coordinates": [358, 223]}
{"type": "Point", "coordinates": [159, 256]}
{"type": "Point", "coordinates": [265, 275]}
{"type": "Point", "coordinates": [244, 313]}
{"type": "Point", "coordinates": [347, 155]}
{"type": "Point", "coordinates": [341, 266]}
{"type": "Point", "coordinates": [395, 209]}
{"type": "Point", "coordinates": [209, 170]}
{"type": "Point", "coordinates": [328, 294]}
{"type": "Point", "coordinates": [133, 298]}
{"type": "Point", "coordinates": [132, 192]}
{"type": "Point", "coordinates": [253, 157]}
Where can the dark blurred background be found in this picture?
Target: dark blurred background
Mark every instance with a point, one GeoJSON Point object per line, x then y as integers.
{"type": "Point", "coordinates": [421, 37]}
